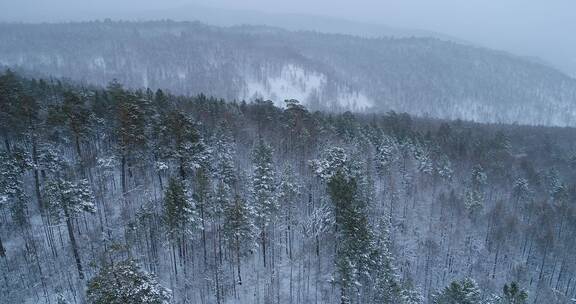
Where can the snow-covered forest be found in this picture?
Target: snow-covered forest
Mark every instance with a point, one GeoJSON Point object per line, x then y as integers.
{"type": "Point", "coordinates": [334, 72]}
{"type": "Point", "coordinates": [115, 195]}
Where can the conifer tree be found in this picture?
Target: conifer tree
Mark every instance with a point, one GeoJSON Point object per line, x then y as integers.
{"type": "Point", "coordinates": [75, 115]}
{"type": "Point", "coordinates": [202, 197]}
{"type": "Point", "coordinates": [13, 166]}
{"type": "Point", "coordinates": [444, 168]}
{"type": "Point", "coordinates": [288, 190]}
{"type": "Point", "coordinates": [224, 150]}
{"type": "Point", "coordinates": [239, 230]}
{"type": "Point", "coordinates": [362, 259]}
{"type": "Point", "coordinates": [521, 190]}
{"type": "Point", "coordinates": [130, 129]}
{"type": "Point", "coordinates": [386, 154]}
{"type": "Point", "coordinates": [125, 283]}
{"type": "Point", "coordinates": [459, 292]}
{"type": "Point", "coordinates": [181, 143]}
{"type": "Point", "coordinates": [513, 294]}
{"type": "Point", "coordinates": [65, 200]}
{"type": "Point", "coordinates": [12, 106]}
{"type": "Point", "coordinates": [263, 191]}
{"type": "Point", "coordinates": [474, 197]}
{"type": "Point", "coordinates": [180, 216]}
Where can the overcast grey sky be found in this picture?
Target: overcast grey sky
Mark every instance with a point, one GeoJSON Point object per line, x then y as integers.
{"type": "Point", "coordinates": [539, 28]}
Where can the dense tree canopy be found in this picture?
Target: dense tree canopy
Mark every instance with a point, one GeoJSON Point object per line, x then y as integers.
{"type": "Point", "coordinates": [223, 202]}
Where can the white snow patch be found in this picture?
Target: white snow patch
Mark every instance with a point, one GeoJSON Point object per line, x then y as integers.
{"type": "Point", "coordinates": [293, 82]}
{"type": "Point", "coordinates": [354, 100]}
{"type": "Point", "coordinates": [181, 74]}
{"type": "Point", "coordinates": [98, 62]}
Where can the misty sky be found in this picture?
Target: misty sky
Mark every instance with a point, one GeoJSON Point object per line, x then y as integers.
{"type": "Point", "coordinates": [538, 28]}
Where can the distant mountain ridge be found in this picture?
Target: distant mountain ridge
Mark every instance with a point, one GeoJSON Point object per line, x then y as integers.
{"type": "Point", "coordinates": [421, 76]}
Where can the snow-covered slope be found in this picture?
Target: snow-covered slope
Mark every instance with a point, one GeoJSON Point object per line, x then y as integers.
{"type": "Point", "coordinates": [295, 82]}
{"type": "Point", "coordinates": [426, 77]}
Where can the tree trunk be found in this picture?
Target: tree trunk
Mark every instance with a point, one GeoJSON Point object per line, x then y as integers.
{"type": "Point", "coordinates": [496, 260]}
{"type": "Point", "coordinates": [159, 175]}
{"type": "Point", "coordinates": [174, 262]}
{"type": "Point", "coordinates": [203, 234]}
{"type": "Point", "coordinates": [343, 297]}
{"type": "Point", "coordinates": [291, 281]}
{"type": "Point", "coordinates": [79, 152]}
{"type": "Point", "coordinates": [182, 170]}
{"type": "Point", "coordinates": [77, 142]}
{"type": "Point", "coordinates": [123, 174]}
{"type": "Point", "coordinates": [6, 140]}
{"type": "Point", "coordinates": [36, 174]}
{"type": "Point", "coordinates": [216, 274]}
{"type": "Point", "coordinates": [2, 250]}
{"type": "Point", "coordinates": [74, 244]}
{"type": "Point", "coordinates": [542, 263]}
{"type": "Point", "coordinates": [263, 238]}
{"type": "Point", "coordinates": [238, 260]}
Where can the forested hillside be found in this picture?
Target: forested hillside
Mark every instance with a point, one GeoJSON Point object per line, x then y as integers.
{"type": "Point", "coordinates": [420, 76]}
{"type": "Point", "coordinates": [140, 195]}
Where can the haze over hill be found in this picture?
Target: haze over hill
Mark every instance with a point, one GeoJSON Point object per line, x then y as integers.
{"type": "Point", "coordinates": [536, 29]}
{"type": "Point", "coordinates": [421, 76]}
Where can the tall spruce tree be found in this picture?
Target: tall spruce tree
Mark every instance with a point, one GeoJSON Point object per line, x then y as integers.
{"type": "Point", "coordinates": [124, 283]}
{"type": "Point", "coordinates": [180, 216]}
{"type": "Point", "coordinates": [363, 262]}
{"type": "Point", "coordinates": [459, 292]}
{"type": "Point", "coordinates": [65, 200]}
{"type": "Point", "coordinates": [513, 294]}
{"type": "Point", "coordinates": [263, 191]}
{"type": "Point", "coordinates": [239, 231]}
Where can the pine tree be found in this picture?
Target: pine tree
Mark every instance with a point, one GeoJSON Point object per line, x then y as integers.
{"type": "Point", "coordinates": [224, 150]}
{"type": "Point", "coordinates": [130, 127]}
{"type": "Point", "coordinates": [385, 281]}
{"type": "Point", "coordinates": [202, 196]}
{"type": "Point", "coordinates": [363, 261]}
{"type": "Point", "coordinates": [180, 221]}
{"type": "Point", "coordinates": [478, 177]}
{"type": "Point", "coordinates": [239, 230]}
{"type": "Point", "coordinates": [181, 143]}
{"type": "Point", "coordinates": [125, 283]}
{"type": "Point", "coordinates": [333, 160]}
{"type": "Point", "coordinates": [474, 197]}
{"type": "Point", "coordinates": [513, 294]}
{"type": "Point", "coordinates": [459, 292]}
{"type": "Point", "coordinates": [411, 296]}
{"type": "Point", "coordinates": [263, 191]}
{"type": "Point", "coordinates": [444, 168]}
{"type": "Point", "coordinates": [180, 216]}
{"type": "Point", "coordinates": [557, 188]}
{"type": "Point", "coordinates": [13, 103]}
{"type": "Point", "coordinates": [423, 160]}
{"type": "Point", "coordinates": [521, 190]}
{"type": "Point", "coordinates": [386, 154]}
{"type": "Point", "coordinates": [76, 116]}
{"type": "Point", "coordinates": [13, 166]}
{"type": "Point", "coordinates": [65, 200]}
{"type": "Point", "coordinates": [353, 260]}
{"type": "Point", "coordinates": [288, 190]}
